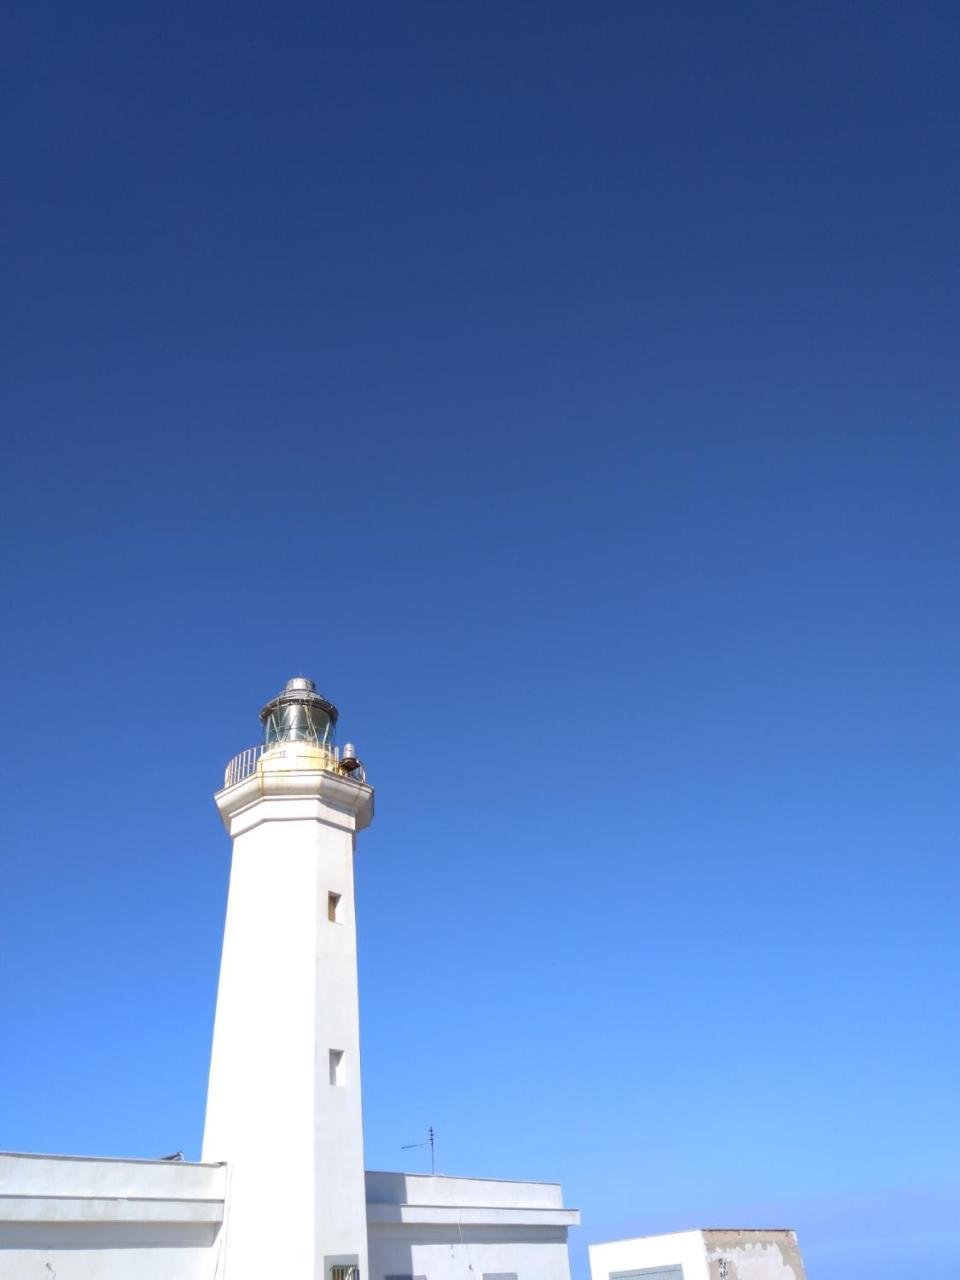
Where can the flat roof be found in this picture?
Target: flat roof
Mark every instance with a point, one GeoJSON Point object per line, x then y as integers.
{"type": "Point", "coordinates": [54, 1155]}
{"type": "Point", "coordinates": [462, 1177]}
{"type": "Point", "coordinates": [685, 1231]}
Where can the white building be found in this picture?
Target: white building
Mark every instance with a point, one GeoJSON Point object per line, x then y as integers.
{"type": "Point", "coordinates": [710, 1254]}
{"type": "Point", "coordinates": [466, 1228]}
{"type": "Point", "coordinates": [281, 1189]}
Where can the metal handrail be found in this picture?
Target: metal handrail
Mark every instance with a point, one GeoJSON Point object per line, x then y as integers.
{"type": "Point", "coordinates": [247, 762]}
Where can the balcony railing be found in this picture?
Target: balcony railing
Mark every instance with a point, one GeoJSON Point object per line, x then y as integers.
{"type": "Point", "coordinates": [281, 757]}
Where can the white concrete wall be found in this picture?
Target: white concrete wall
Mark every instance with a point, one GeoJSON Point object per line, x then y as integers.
{"type": "Point", "coordinates": [679, 1248]}
{"type": "Point", "coordinates": [287, 996]}
{"type": "Point", "coordinates": [425, 1189]}
{"type": "Point", "coordinates": [74, 1218]}
{"type": "Point", "coordinates": [468, 1253]}
{"type": "Point", "coordinates": [465, 1228]}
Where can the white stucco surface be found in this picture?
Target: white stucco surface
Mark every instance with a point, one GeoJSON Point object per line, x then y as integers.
{"type": "Point", "coordinates": [465, 1228]}
{"type": "Point", "coordinates": [678, 1248]}
{"type": "Point", "coordinates": [75, 1218]}
{"type": "Point", "coordinates": [287, 997]}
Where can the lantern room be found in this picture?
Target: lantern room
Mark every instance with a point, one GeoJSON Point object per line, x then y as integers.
{"type": "Point", "coordinates": [299, 714]}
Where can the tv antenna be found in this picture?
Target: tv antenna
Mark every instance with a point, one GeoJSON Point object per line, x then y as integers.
{"type": "Point", "coordinates": [431, 1142]}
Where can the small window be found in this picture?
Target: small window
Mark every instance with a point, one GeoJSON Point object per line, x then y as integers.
{"type": "Point", "coordinates": [337, 1071]}
{"type": "Point", "coordinates": [333, 907]}
{"type": "Point", "coordinates": [341, 1266]}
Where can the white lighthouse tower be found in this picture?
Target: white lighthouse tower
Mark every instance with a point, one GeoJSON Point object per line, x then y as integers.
{"type": "Point", "coordinates": [283, 1104]}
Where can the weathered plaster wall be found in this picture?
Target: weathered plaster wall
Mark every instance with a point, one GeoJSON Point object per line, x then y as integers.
{"type": "Point", "coordinates": [753, 1255]}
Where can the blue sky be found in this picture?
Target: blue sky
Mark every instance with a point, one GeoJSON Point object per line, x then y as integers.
{"type": "Point", "coordinates": [571, 391]}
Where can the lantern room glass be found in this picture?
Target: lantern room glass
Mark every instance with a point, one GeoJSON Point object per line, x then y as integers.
{"type": "Point", "coordinates": [298, 722]}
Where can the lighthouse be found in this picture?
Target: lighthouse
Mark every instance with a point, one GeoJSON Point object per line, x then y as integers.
{"type": "Point", "coordinates": [283, 1101]}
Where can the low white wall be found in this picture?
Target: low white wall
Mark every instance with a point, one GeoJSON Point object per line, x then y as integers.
{"type": "Point", "coordinates": [678, 1249]}
{"type": "Point", "coordinates": [73, 1218]}
{"type": "Point", "coordinates": [421, 1188]}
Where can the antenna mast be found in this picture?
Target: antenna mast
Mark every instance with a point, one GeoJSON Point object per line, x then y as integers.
{"type": "Point", "coordinates": [431, 1143]}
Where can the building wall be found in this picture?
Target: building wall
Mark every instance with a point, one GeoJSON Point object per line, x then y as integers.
{"type": "Point", "coordinates": [72, 1218]}
{"type": "Point", "coordinates": [289, 1127]}
{"type": "Point", "coordinates": [419, 1189]}
{"type": "Point", "coordinates": [703, 1255]}
{"type": "Point", "coordinates": [753, 1255]}
{"type": "Point", "coordinates": [679, 1248]}
{"type": "Point", "coordinates": [470, 1253]}
{"type": "Point", "coordinates": [466, 1229]}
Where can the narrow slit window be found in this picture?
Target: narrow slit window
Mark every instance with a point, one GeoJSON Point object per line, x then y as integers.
{"type": "Point", "coordinates": [333, 907]}
{"type": "Point", "coordinates": [337, 1070]}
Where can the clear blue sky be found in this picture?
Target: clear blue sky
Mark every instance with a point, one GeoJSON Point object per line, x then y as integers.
{"type": "Point", "coordinates": [571, 390]}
